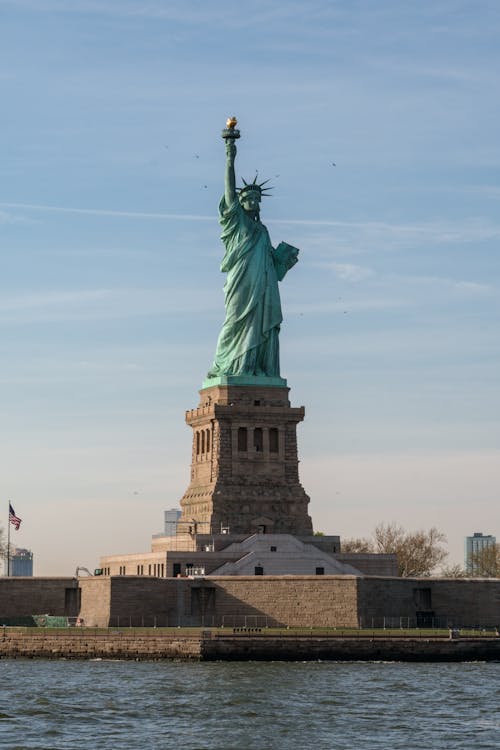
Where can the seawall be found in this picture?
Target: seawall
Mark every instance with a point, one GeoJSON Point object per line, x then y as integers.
{"type": "Point", "coordinates": [213, 646]}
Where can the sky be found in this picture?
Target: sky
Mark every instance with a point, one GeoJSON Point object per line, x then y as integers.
{"type": "Point", "coordinates": [377, 122]}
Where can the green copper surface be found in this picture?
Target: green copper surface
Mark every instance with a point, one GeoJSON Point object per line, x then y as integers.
{"type": "Point", "coordinates": [248, 344]}
{"type": "Point", "coordinates": [245, 380]}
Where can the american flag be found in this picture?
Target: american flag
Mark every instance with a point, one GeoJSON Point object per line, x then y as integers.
{"type": "Point", "coordinates": [15, 521]}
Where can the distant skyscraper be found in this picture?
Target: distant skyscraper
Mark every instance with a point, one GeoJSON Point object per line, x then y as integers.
{"type": "Point", "coordinates": [170, 521]}
{"type": "Point", "coordinates": [21, 562]}
{"type": "Point", "coordinates": [475, 544]}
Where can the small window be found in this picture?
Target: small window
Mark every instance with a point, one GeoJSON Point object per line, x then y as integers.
{"type": "Point", "coordinates": [197, 443]}
{"type": "Point", "coordinates": [274, 549]}
{"type": "Point", "coordinates": [176, 569]}
{"type": "Point", "coordinates": [257, 439]}
{"type": "Point", "coordinates": [256, 403]}
{"type": "Point", "coordinates": [259, 570]}
{"type": "Point", "coordinates": [273, 440]}
{"type": "Point", "coordinates": [422, 598]}
{"type": "Point", "coordinates": [207, 444]}
{"type": "Point", "coordinates": [203, 441]}
{"type": "Point", "coordinates": [242, 439]}
{"type": "Point", "coordinates": [320, 571]}
{"type": "Point", "coordinates": [261, 529]}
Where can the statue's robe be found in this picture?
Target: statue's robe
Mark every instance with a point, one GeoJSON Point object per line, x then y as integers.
{"type": "Point", "coordinates": [248, 342]}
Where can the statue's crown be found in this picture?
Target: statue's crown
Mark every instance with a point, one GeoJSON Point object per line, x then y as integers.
{"type": "Point", "coordinates": [254, 187]}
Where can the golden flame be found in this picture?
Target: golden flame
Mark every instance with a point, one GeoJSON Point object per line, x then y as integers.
{"type": "Point", "coordinates": [231, 122]}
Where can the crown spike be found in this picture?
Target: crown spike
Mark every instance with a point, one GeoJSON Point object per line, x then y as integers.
{"type": "Point", "coordinates": [255, 186]}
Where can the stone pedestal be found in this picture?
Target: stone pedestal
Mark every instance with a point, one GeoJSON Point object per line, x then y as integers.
{"type": "Point", "coordinates": [244, 467]}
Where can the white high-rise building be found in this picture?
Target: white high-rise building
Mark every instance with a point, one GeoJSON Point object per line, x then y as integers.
{"type": "Point", "coordinates": [475, 544]}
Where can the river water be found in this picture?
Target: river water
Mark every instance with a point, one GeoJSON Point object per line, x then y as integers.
{"type": "Point", "coordinates": [123, 705]}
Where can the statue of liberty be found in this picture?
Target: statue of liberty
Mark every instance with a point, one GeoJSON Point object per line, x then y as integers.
{"type": "Point", "coordinates": [248, 343]}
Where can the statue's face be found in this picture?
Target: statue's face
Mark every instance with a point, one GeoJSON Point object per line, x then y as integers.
{"type": "Point", "coordinates": [250, 202]}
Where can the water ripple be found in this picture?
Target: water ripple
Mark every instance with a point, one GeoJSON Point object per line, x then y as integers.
{"type": "Point", "coordinates": [113, 705]}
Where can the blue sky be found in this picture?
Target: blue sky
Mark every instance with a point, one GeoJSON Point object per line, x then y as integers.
{"type": "Point", "coordinates": [111, 295]}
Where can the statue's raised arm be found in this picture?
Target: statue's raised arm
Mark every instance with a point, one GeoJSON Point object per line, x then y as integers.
{"type": "Point", "coordinates": [230, 135]}
{"type": "Point", "coordinates": [230, 179]}
{"type": "Point", "coordinates": [248, 345]}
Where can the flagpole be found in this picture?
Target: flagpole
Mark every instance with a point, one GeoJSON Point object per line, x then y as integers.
{"type": "Point", "coordinates": [8, 542]}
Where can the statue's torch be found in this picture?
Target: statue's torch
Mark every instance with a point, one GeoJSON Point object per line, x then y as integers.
{"type": "Point", "coordinates": [230, 132]}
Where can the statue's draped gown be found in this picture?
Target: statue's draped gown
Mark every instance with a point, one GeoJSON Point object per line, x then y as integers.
{"type": "Point", "coordinates": [248, 343]}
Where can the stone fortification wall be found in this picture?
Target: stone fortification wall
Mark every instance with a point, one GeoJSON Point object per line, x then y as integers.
{"type": "Point", "coordinates": [267, 647]}
{"type": "Point", "coordinates": [21, 596]}
{"type": "Point", "coordinates": [95, 600]}
{"type": "Point", "coordinates": [151, 599]}
{"type": "Point", "coordinates": [212, 645]}
{"type": "Point", "coordinates": [473, 601]}
{"type": "Point", "coordinates": [296, 601]}
{"type": "Point", "coordinates": [246, 601]}
{"type": "Point", "coordinates": [137, 601]}
{"type": "Point", "coordinates": [79, 643]}
{"type": "Point", "coordinates": [458, 601]}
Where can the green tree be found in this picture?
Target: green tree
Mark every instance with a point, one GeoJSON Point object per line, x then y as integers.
{"type": "Point", "coordinates": [418, 552]}
{"type": "Point", "coordinates": [486, 563]}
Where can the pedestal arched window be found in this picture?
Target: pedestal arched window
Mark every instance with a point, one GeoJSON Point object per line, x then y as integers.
{"type": "Point", "coordinates": [242, 439]}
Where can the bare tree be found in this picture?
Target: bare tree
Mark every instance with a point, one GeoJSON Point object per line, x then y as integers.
{"type": "Point", "coordinates": [418, 552]}
{"type": "Point", "coordinates": [454, 571]}
{"type": "Point", "coordinates": [486, 563]}
{"type": "Point", "coordinates": [357, 545]}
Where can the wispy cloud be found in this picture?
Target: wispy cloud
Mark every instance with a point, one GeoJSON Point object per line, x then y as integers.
{"type": "Point", "coordinates": [440, 232]}
{"type": "Point", "coordinates": [490, 191]}
{"type": "Point", "coordinates": [8, 218]}
{"type": "Point", "coordinates": [469, 230]}
{"type": "Point", "coordinates": [107, 212]}
{"type": "Point", "coordinates": [350, 272]}
{"type": "Point", "coordinates": [96, 304]}
{"type": "Point", "coordinates": [174, 10]}
{"type": "Point", "coordinates": [346, 307]}
{"type": "Point", "coordinates": [355, 274]}
{"type": "Point", "coordinates": [455, 285]}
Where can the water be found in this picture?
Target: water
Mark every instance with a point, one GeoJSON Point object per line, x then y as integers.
{"type": "Point", "coordinates": [120, 705]}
